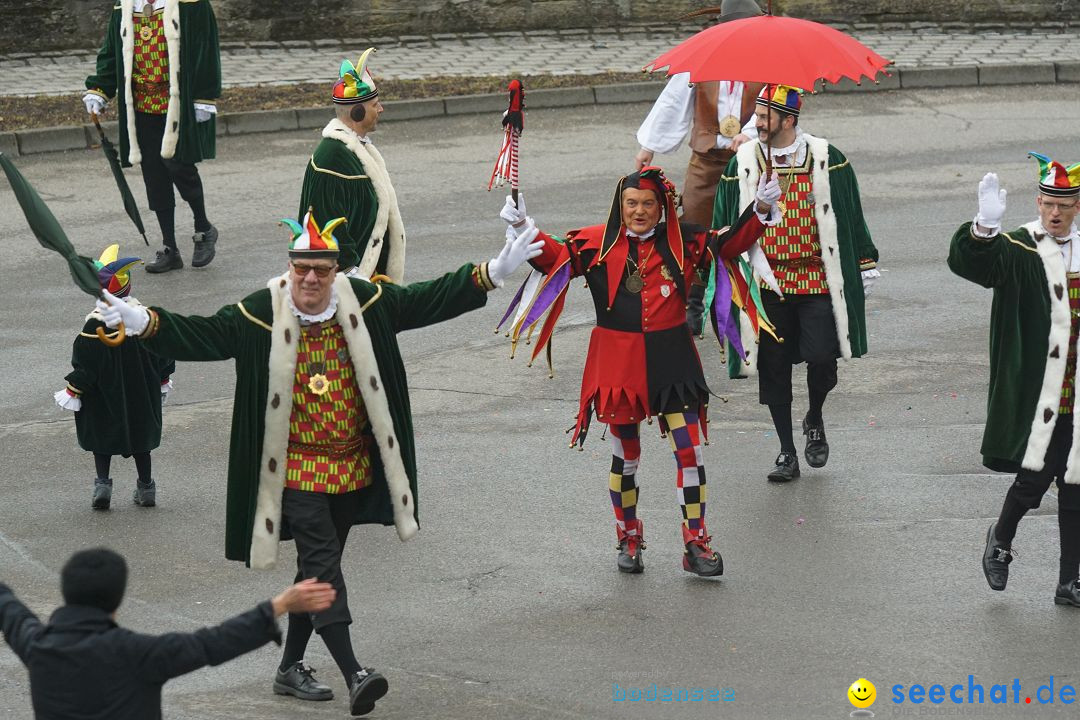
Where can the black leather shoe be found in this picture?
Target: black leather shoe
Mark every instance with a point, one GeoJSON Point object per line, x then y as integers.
{"type": "Point", "coordinates": [145, 495]}
{"type": "Point", "coordinates": [1068, 594]}
{"type": "Point", "coordinates": [299, 681]}
{"type": "Point", "coordinates": [365, 688]}
{"type": "Point", "coordinates": [698, 557]}
{"type": "Point", "coordinates": [817, 447]}
{"type": "Point", "coordinates": [995, 561]}
{"type": "Point", "coordinates": [787, 468]}
{"type": "Point", "coordinates": [102, 494]}
{"type": "Point", "coordinates": [205, 243]}
{"type": "Point", "coordinates": [167, 259]}
{"type": "Point", "coordinates": [630, 547]}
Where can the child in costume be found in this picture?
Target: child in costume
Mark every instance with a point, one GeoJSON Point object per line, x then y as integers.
{"type": "Point", "coordinates": [116, 393]}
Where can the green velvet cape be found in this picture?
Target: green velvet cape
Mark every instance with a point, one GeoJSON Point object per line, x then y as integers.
{"type": "Point", "coordinates": [241, 332]}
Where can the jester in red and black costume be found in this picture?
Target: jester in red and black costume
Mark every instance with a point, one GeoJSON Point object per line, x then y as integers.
{"type": "Point", "coordinates": [642, 362]}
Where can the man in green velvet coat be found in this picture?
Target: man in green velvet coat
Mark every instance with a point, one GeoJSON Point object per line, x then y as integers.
{"type": "Point", "coordinates": [160, 60]}
{"type": "Point", "coordinates": [814, 269]}
{"type": "Point", "coordinates": [347, 177]}
{"type": "Point", "coordinates": [1034, 272]}
{"type": "Point", "coordinates": [322, 435]}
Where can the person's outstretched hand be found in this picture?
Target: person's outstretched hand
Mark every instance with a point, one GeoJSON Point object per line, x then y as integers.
{"type": "Point", "coordinates": [306, 596]}
{"type": "Point", "coordinates": [518, 249]}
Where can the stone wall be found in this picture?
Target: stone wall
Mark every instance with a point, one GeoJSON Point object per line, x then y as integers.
{"type": "Point", "coordinates": [37, 25]}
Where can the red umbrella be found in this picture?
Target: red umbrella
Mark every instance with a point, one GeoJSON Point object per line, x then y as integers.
{"type": "Point", "coordinates": [770, 49]}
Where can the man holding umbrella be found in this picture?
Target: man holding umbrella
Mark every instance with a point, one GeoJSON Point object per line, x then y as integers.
{"type": "Point", "coordinates": [718, 117]}
{"type": "Point", "coordinates": [161, 62]}
{"type": "Point", "coordinates": [820, 257]}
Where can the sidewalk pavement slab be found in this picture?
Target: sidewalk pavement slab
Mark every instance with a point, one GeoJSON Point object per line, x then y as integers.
{"type": "Point", "coordinates": [9, 145]}
{"type": "Point", "coordinates": [559, 97]}
{"type": "Point", "coordinates": [260, 121]}
{"type": "Point", "coordinates": [1017, 74]}
{"type": "Point", "coordinates": [51, 139]}
{"type": "Point", "coordinates": [1068, 71]}
{"type": "Point", "coordinates": [628, 93]}
{"type": "Point", "coordinates": [463, 104]}
{"type": "Point", "coordinates": [415, 109]}
{"type": "Point", "coordinates": [307, 118]}
{"type": "Point", "coordinates": [942, 76]}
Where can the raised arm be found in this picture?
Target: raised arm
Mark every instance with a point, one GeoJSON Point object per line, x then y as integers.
{"type": "Point", "coordinates": [20, 626]}
{"type": "Point", "coordinates": [167, 656]}
{"type": "Point", "coordinates": [979, 252]}
{"type": "Point", "coordinates": [190, 338]}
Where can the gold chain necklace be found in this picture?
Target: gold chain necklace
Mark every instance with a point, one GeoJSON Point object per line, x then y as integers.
{"type": "Point", "coordinates": [634, 282]}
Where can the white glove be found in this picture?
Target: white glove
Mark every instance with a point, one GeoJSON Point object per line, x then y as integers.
{"type": "Point", "coordinates": [518, 249]}
{"type": "Point", "coordinates": [165, 388]}
{"type": "Point", "coordinates": [67, 401]}
{"type": "Point", "coordinates": [116, 311]}
{"type": "Point", "coordinates": [95, 104]}
{"type": "Point", "coordinates": [204, 111]}
{"type": "Point", "coordinates": [991, 202]}
{"type": "Point", "coordinates": [514, 213]}
{"type": "Point", "coordinates": [768, 190]}
{"type": "Point", "coordinates": [868, 279]}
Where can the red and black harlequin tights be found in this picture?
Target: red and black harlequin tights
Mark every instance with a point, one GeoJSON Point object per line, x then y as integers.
{"type": "Point", "coordinates": [683, 433]}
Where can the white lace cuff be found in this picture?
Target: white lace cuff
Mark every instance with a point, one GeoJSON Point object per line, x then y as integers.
{"type": "Point", "coordinates": [66, 401]}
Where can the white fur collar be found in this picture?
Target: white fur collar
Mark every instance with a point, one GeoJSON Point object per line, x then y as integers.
{"type": "Point", "coordinates": [387, 216]}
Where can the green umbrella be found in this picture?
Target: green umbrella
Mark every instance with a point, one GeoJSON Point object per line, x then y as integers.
{"type": "Point", "coordinates": [121, 182]}
{"type": "Point", "coordinates": [48, 232]}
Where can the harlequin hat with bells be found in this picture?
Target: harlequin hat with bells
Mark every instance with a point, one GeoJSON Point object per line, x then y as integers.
{"type": "Point", "coordinates": [648, 178]}
{"type": "Point", "coordinates": [1055, 179]}
{"type": "Point", "coordinates": [113, 273]}
{"type": "Point", "coordinates": [355, 84]}
{"type": "Point", "coordinates": [311, 242]}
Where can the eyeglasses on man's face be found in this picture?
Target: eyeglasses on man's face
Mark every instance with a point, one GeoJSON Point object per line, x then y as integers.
{"type": "Point", "coordinates": [321, 271]}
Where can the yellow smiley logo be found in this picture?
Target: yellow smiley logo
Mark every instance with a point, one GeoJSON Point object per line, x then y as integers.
{"type": "Point", "coordinates": [862, 693]}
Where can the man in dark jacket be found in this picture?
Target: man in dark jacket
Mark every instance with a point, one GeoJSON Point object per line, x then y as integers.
{"type": "Point", "coordinates": [84, 667]}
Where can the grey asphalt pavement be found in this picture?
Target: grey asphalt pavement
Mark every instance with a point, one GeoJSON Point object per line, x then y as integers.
{"type": "Point", "coordinates": [508, 604]}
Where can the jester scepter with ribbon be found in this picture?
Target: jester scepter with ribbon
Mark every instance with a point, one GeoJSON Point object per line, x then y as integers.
{"type": "Point", "coordinates": [642, 362]}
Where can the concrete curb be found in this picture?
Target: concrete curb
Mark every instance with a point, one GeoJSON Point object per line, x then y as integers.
{"type": "Point", "coordinates": [42, 140]}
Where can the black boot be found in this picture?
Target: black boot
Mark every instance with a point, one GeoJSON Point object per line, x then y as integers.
{"type": "Point", "coordinates": [787, 467]}
{"type": "Point", "coordinates": [205, 243]}
{"type": "Point", "coordinates": [1068, 594]}
{"type": "Point", "coordinates": [365, 687]}
{"type": "Point", "coordinates": [995, 561]}
{"type": "Point", "coordinates": [102, 494]}
{"type": "Point", "coordinates": [698, 557]}
{"type": "Point", "coordinates": [145, 495]}
{"type": "Point", "coordinates": [167, 259]}
{"type": "Point", "coordinates": [630, 547]}
{"type": "Point", "coordinates": [817, 447]}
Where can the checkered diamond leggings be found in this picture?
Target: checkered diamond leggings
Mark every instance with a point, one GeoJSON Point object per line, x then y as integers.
{"type": "Point", "coordinates": [683, 433]}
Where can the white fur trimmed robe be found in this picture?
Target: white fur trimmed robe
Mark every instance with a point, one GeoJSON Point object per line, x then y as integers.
{"type": "Point", "coordinates": [190, 30]}
{"type": "Point", "coordinates": [261, 333]}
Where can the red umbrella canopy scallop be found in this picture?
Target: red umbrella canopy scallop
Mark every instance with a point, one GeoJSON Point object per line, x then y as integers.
{"type": "Point", "coordinates": [770, 49]}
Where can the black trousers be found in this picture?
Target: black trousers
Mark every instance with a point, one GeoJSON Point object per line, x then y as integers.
{"type": "Point", "coordinates": [807, 326]}
{"type": "Point", "coordinates": [320, 524]}
{"type": "Point", "coordinates": [1030, 485]}
{"type": "Point", "coordinates": [159, 174]}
